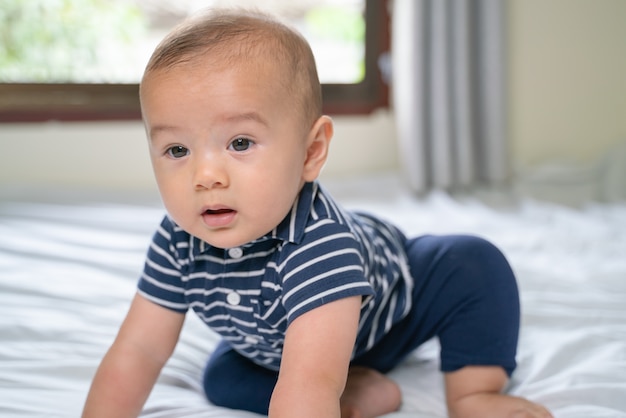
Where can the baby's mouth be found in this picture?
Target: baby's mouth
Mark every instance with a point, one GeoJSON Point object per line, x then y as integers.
{"type": "Point", "coordinates": [221, 217]}
{"type": "Point", "coordinates": [218, 211]}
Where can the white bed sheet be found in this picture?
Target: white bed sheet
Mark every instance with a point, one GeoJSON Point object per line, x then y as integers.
{"type": "Point", "coordinates": [68, 272]}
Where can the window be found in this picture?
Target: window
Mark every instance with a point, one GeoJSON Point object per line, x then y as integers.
{"type": "Point", "coordinates": [52, 52]}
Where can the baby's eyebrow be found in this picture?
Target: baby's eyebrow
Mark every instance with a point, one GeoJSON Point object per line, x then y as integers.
{"type": "Point", "coordinates": [254, 116]}
{"type": "Point", "coordinates": [161, 128]}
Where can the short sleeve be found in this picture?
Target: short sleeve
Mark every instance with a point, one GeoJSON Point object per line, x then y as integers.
{"type": "Point", "coordinates": [326, 267]}
{"type": "Point", "coordinates": [161, 281]}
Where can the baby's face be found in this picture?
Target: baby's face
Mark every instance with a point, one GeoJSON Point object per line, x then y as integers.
{"type": "Point", "coordinates": [228, 150]}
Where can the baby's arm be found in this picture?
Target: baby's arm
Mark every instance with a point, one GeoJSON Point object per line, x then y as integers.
{"type": "Point", "coordinates": [131, 366]}
{"type": "Point", "coordinates": [475, 391]}
{"type": "Point", "coordinates": [315, 361]}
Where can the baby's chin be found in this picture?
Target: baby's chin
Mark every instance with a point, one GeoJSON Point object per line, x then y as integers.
{"type": "Point", "coordinates": [226, 238]}
{"type": "Point", "coordinates": [235, 232]}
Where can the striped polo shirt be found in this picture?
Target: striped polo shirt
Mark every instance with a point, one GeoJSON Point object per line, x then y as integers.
{"type": "Point", "coordinates": [250, 294]}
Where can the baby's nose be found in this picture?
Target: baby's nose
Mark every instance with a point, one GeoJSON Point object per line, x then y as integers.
{"type": "Point", "coordinates": [209, 174]}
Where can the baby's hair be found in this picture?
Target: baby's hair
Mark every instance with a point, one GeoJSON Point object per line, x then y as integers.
{"type": "Point", "coordinates": [237, 37]}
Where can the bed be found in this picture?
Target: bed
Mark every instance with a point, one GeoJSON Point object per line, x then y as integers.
{"type": "Point", "coordinates": [68, 268]}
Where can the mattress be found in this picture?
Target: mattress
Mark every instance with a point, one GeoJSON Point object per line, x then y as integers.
{"type": "Point", "coordinates": [68, 271]}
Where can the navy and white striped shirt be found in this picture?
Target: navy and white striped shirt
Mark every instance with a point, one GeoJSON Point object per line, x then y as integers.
{"type": "Point", "coordinates": [250, 294]}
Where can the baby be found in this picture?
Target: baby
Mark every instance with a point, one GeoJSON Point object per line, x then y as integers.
{"type": "Point", "coordinates": [314, 303]}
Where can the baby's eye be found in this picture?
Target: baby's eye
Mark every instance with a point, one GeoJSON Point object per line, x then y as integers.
{"type": "Point", "coordinates": [177, 151]}
{"type": "Point", "coordinates": [241, 144]}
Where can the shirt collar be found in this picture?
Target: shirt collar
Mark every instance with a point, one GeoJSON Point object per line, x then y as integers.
{"type": "Point", "coordinates": [292, 228]}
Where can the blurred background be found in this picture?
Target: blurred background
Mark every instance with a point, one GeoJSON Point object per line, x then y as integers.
{"type": "Point", "coordinates": [542, 84]}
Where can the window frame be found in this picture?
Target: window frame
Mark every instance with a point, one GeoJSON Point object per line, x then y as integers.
{"type": "Point", "coordinates": [38, 102]}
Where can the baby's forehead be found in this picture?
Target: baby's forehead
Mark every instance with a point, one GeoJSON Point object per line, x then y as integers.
{"type": "Point", "coordinates": [257, 82]}
{"type": "Point", "coordinates": [264, 68]}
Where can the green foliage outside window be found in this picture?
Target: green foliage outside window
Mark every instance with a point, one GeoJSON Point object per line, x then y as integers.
{"type": "Point", "coordinates": [109, 41]}
{"type": "Point", "coordinates": [62, 40]}
{"type": "Point", "coordinates": [343, 25]}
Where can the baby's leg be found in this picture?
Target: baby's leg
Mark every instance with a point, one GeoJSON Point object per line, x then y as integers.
{"type": "Point", "coordinates": [479, 335]}
{"type": "Point", "coordinates": [369, 394]}
{"type": "Point", "coordinates": [233, 381]}
{"type": "Point", "coordinates": [475, 391]}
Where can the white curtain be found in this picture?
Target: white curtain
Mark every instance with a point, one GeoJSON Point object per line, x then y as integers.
{"type": "Point", "coordinates": [449, 92]}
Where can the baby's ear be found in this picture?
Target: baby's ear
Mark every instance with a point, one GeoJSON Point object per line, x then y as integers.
{"type": "Point", "coordinates": [318, 142]}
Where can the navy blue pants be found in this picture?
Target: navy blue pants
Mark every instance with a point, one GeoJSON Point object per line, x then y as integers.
{"type": "Point", "coordinates": [465, 294]}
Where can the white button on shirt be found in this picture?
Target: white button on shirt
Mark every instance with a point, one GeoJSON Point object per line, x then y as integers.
{"type": "Point", "coordinates": [235, 252]}
{"type": "Point", "coordinates": [233, 298]}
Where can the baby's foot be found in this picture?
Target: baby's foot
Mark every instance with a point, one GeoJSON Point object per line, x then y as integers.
{"type": "Point", "coordinates": [498, 405]}
{"type": "Point", "coordinates": [369, 394]}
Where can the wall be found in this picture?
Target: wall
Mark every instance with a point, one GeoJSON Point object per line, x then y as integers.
{"type": "Point", "coordinates": [567, 79]}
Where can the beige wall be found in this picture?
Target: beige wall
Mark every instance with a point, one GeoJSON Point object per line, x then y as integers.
{"type": "Point", "coordinates": [567, 79]}
{"type": "Point", "coordinates": [567, 97]}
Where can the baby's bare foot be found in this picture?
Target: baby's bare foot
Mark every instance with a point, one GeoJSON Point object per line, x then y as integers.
{"type": "Point", "coordinates": [498, 405]}
{"type": "Point", "coordinates": [369, 394]}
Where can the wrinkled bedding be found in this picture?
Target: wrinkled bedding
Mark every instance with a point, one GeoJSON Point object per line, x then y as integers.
{"type": "Point", "coordinates": [68, 272]}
